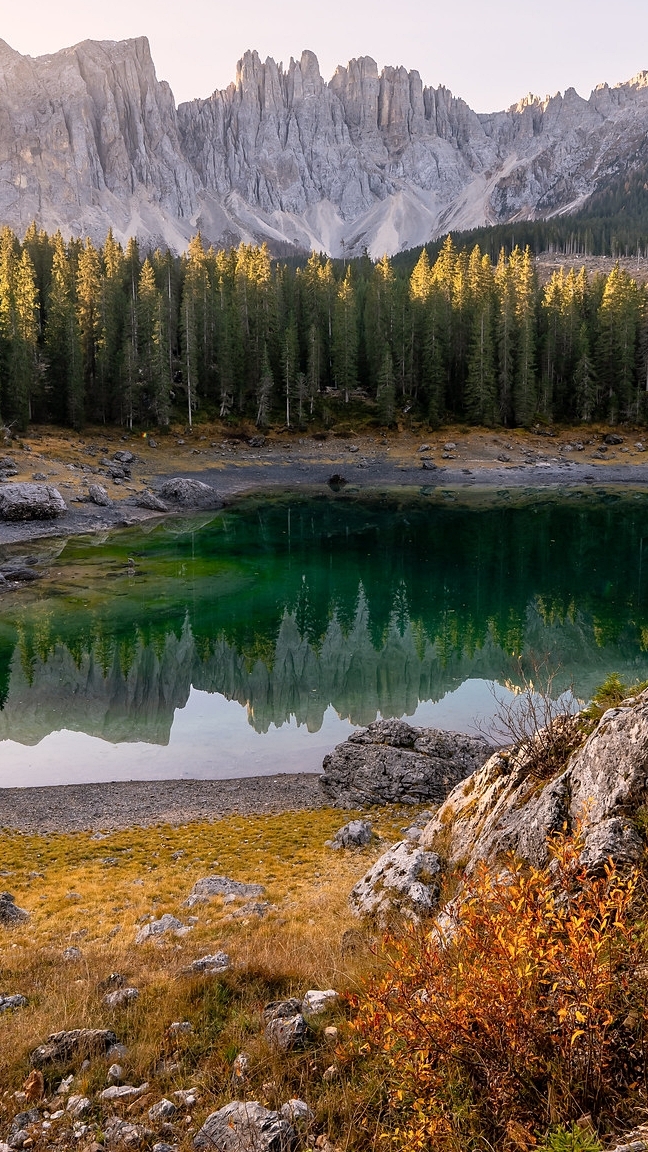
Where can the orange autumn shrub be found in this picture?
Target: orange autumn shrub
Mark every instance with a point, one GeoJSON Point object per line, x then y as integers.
{"type": "Point", "coordinates": [522, 1011]}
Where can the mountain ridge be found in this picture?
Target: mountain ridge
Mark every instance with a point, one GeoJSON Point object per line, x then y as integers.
{"type": "Point", "coordinates": [376, 161]}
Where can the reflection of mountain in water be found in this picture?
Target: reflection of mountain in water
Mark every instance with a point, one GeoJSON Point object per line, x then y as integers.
{"type": "Point", "coordinates": [347, 670]}
{"type": "Point", "coordinates": [289, 606]}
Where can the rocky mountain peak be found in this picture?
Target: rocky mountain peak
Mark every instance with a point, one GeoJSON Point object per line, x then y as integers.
{"type": "Point", "coordinates": [90, 138]}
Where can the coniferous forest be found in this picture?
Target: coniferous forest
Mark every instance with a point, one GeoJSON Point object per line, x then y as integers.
{"type": "Point", "coordinates": [107, 335]}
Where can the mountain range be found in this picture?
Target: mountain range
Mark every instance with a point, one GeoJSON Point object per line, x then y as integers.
{"type": "Point", "coordinates": [376, 161]}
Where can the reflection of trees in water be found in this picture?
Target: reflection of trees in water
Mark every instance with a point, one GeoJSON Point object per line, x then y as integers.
{"type": "Point", "coordinates": [370, 608]}
{"type": "Point", "coordinates": [136, 700]}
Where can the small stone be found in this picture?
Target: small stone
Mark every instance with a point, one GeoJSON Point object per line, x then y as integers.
{"type": "Point", "coordinates": [215, 963]}
{"type": "Point", "coordinates": [120, 997]}
{"type": "Point", "coordinates": [241, 1065]}
{"type": "Point", "coordinates": [115, 1073]}
{"type": "Point", "coordinates": [315, 1002]}
{"type": "Point", "coordinates": [166, 923]}
{"type": "Point", "coordinates": [331, 1073]}
{"type": "Point", "coordinates": [287, 1032]}
{"type": "Point", "coordinates": [123, 1092]}
{"type": "Point", "coordinates": [355, 834]}
{"type": "Point", "coordinates": [331, 1034]}
{"type": "Point", "coordinates": [187, 1096]}
{"type": "Point", "coordinates": [297, 1113]}
{"type": "Point", "coordinates": [163, 1110]}
{"type": "Point", "coordinates": [77, 1106]}
{"type": "Point", "coordinates": [450, 446]}
{"type": "Point", "coordinates": [8, 1003]}
{"type": "Point", "coordinates": [73, 953]}
{"type": "Point", "coordinates": [180, 1028]}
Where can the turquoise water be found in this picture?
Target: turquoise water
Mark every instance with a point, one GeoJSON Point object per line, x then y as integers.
{"type": "Point", "coordinates": [253, 640]}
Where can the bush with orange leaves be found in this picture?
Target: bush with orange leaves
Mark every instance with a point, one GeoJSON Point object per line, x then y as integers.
{"type": "Point", "coordinates": [522, 1011]}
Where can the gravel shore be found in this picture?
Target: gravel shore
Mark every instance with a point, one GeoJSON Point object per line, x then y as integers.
{"type": "Point", "coordinates": [109, 807]}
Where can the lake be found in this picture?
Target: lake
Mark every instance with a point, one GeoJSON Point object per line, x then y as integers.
{"type": "Point", "coordinates": [250, 641]}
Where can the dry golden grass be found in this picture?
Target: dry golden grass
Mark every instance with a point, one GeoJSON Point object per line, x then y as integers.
{"type": "Point", "coordinates": [129, 875]}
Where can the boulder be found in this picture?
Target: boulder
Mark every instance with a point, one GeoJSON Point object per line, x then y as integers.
{"type": "Point", "coordinates": [78, 1043]}
{"type": "Point", "coordinates": [97, 495]}
{"type": "Point", "coordinates": [10, 914]}
{"type": "Point", "coordinates": [30, 502]}
{"type": "Point", "coordinates": [355, 834]}
{"type": "Point", "coordinates": [297, 1113]}
{"type": "Point", "coordinates": [150, 501]}
{"type": "Point", "coordinates": [245, 1126]}
{"type": "Point", "coordinates": [189, 493]}
{"type": "Point", "coordinates": [404, 881]}
{"type": "Point", "coordinates": [123, 457]}
{"type": "Point", "coordinates": [392, 762]}
{"type": "Point", "coordinates": [505, 808]}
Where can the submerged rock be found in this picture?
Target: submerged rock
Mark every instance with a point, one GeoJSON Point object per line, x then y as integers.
{"type": "Point", "coordinates": [392, 762]}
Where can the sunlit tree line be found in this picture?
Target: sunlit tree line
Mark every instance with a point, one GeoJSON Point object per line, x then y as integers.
{"type": "Point", "coordinates": [118, 336]}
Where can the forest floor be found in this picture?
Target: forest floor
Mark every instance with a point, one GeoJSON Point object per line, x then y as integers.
{"type": "Point", "coordinates": [452, 457]}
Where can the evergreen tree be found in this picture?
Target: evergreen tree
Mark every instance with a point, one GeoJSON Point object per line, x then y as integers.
{"type": "Point", "coordinates": [63, 341]}
{"type": "Point", "coordinates": [345, 337]}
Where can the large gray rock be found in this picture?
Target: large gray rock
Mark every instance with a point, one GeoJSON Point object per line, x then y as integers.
{"type": "Point", "coordinates": [78, 1043]}
{"type": "Point", "coordinates": [393, 762]}
{"type": "Point", "coordinates": [8, 1003]}
{"type": "Point", "coordinates": [188, 493]}
{"type": "Point", "coordinates": [245, 1127]}
{"type": "Point", "coordinates": [504, 808]}
{"type": "Point", "coordinates": [403, 881]}
{"type": "Point", "coordinates": [30, 502]}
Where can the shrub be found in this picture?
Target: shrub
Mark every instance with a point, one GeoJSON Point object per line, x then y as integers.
{"type": "Point", "coordinates": [522, 1012]}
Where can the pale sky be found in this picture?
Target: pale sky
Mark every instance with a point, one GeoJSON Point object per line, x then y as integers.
{"type": "Point", "coordinates": [490, 52]}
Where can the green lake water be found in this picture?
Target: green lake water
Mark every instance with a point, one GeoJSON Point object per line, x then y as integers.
{"type": "Point", "coordinates": [253, 640]}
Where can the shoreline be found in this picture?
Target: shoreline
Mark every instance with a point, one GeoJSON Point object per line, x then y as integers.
{"type": "Point", "coordinates": [116, 806]}
{"type": "Point", "coordinates": [233, 481]}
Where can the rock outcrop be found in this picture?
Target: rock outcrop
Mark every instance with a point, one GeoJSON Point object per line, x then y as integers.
{"type": "Point", "coordinates": [504, 807]}
{"type": "Point", "coordinates": [392, 762]}
{"type": "Point", "coordinates": [90, 138]}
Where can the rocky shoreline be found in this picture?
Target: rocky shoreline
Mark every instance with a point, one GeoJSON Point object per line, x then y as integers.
{"type": "Point", "coordinates": [301, 474]}
{"type": "Point", "coordinates": [145, 803]}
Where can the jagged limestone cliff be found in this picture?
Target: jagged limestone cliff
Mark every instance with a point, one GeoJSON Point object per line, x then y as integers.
{"type": "Point", "coordinates": [90, 138]}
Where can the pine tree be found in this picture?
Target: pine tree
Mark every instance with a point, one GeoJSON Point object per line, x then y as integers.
{"type": "Point", "coordinates": [63, 341]}
{"type": "Point", "coordinates": [89, 318]}
{"type": "Point", "coordinates": [386, 394]}
{"type": "Point", "coordinates": [345, 337]}
{"type": "Point", "coordinates": [480, 402]}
